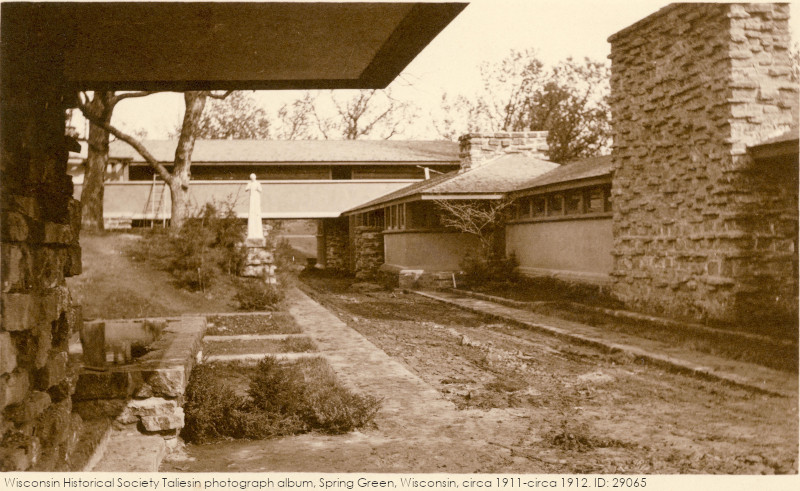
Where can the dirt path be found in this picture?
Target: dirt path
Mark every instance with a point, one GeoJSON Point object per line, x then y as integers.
{"type": "Point", "coordinates": [482, 396]}
{"type": "Point", "coordinates": [114, 286]}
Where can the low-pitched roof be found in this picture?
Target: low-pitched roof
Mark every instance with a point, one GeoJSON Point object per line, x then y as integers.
{"type": "Point", "coordinates": [497, 176]}
{"type": "Point", "coordinates": [591, 167]}
{"type": "Point", "coordinates": [781, 147]}
{"type": "Point", "coordinates": [248, 151]}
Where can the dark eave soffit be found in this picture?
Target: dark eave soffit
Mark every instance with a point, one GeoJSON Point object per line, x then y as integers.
{"type": "Point", "coordinates": [253, 46]}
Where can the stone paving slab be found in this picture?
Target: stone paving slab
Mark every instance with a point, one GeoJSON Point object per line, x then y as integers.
{"type": "Point", "coordinates": [742, 374]}
{"type": "Point", "coordinates": [366, 368]}
{"type": "Point", "coordinates": [131, 451]}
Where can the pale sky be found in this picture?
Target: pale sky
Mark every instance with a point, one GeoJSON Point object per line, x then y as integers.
{"type": "Point", "coordinates": [485, 31]}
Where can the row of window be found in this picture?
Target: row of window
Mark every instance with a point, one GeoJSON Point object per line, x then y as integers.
{"type": "Point", "coordinates": [421, 215]}
{"type": "Point", "coordinates": [396, 217]}
{"type": "Point", "coordinates": [585, 201]}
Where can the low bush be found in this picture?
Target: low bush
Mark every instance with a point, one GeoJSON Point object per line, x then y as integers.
{"type": "Point", "coordinates": [282, 399]}
{"type": "Point", "coordinates": [478, 270]}
{"type": "Point", "coordinates": [253, 294]}
{"type": "Point", "coordinates": [212, 408]}
{"type": "Point", "coordinates": [208, 244]}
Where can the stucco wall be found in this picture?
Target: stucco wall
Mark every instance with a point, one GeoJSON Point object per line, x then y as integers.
{"type": "Point", "coordinates": [699, 231]}
{"type": "Point", "coordinates": [578, 245]}
{"type": "Point", "coordinates": [279, 199]}
{"type": "Point", "coordinates": [430, 251]}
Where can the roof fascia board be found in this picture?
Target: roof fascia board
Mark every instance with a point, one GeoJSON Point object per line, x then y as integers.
{"type": "Point", "coordinates": [419, 27]}
{"type": "Point", "coordinates": [774, 150]}
{"type": "Point", "coordinates": [562, 186]}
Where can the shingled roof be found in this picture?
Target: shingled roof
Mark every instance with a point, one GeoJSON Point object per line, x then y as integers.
{"type": "Point", "coordinates": [283, 151]}
{"type": "Point", "coordinates": [497, 176]}
{"type": "Point", "coordinates": [581, 169]}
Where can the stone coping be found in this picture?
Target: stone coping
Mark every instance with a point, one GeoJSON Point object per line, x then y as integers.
{"type": "Point", "coordinates": [162, 372]}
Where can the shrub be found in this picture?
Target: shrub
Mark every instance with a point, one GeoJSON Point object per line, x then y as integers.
{"type": "Point", "coordinates": [212, 409]}
{"type": "Point", "coordinates": [478, 271]}
{"type": "Point", "coordinates": [276, 389]}
{"type": "Point", "coordinates": [207, 245]}
{"type": "Point", "coordinates": [252, 294]}
{"type": "Point", "coordinates": [335, 409]}
{"type": "Point", "coordinates": [283, 399]}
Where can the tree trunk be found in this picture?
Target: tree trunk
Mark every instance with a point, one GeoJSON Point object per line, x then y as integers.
{"type": "Point", "coordinates": [181, 171]}
{"type": "Point", "coordinates": [96, 162]}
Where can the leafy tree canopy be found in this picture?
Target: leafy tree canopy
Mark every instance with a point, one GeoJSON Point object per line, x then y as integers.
{"type": "Point", "coordinates": [238, 117]}
{"type": "Point", "coordinates": [521, 93]}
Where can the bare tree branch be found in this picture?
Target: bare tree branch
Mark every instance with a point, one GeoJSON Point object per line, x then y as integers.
{"type": "Point", "coordinates": [219, 96]}
{"type": "Point", "coordinates": [130, 140]}
{"type": "Point", "coordinates": [481, 218]}
{"type": "Point", "coordinates": [128, 95]}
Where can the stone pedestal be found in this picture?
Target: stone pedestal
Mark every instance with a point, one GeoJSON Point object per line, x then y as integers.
{"type": "Point", "coordinates": [259, 263]}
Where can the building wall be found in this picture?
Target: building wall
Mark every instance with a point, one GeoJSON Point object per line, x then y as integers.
{"type": "Point", "coordinates": [430, 251]}
{"type": "Point", "coordinates": [700, 230]}
{"type": "Point", "coordinates": [40, 227]}
{"type": "Point", "coordinates": [280, 199]}
{"type": "Point", "coordinates": [575, 248]}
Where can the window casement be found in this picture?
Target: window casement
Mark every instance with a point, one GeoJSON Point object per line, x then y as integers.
{"type": "Point", "coordinates": [573, 203]}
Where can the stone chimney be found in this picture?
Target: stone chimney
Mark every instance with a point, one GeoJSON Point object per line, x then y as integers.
{"type": "Point", "coordinates": [478, 148]}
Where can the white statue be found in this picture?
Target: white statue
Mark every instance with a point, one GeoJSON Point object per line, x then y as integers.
{"type": "Point", "coordinates": [254, 227]}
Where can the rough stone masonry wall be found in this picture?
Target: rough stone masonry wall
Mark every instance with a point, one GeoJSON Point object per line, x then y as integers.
{"type": "Point", "coordinates": [368, 252]}
{"type": "Point", "coordinates": [476, 148]}
{"type": "Point", "coordinates": [700, 230]}
{"type": "Point", "coordinates": [335, 231]}
{"type": "Point", "coordinates": [40, 223]}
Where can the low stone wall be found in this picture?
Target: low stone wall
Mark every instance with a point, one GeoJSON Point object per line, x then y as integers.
{"type": "Point", "coordinates": [146, 394]}
{"type": "Point", "coordinates": [368, 244]}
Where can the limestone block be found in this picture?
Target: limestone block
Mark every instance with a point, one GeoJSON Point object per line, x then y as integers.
{"type": "Point", "coordinates": [106, 385]}
{"type": "Point", "coordinates": [30, 408]}
{"type": "Point", "coordinates": [17, 266]}
{"type": "Point", "coordinates": [253, 271]}
{"type": "Point", "coordinates": [255, 242]}
{"type": "Point", "coordinates": [408, 278]}
{"type": "Point", "coordinates": [257, 255]}
{"type": "Point", "coordinates": [19, 311]}
{"type": "Point", "coordinates": [8, 353]}
{"type": "Point", "coordinates": [167, 382]}
{"type": "Point", "coordinates": [49, 270]}
{"type": "Point", "coordinates": [73, 264]}
{"type": "Point", "coordinates": [57, 233]}
{"type": "Point", "coordinates": [155, 414]}
{"type": "Point", "coordinates": [164, 422]}
{"type": "Point", "coordinates": [44, 341]}
{"type": "Point", "coordinates": [15, 227]}
{"type": "Point", "coordinates": [14, 388]}
{"type": "Point", "coordinates": [54, 371]}
{"type": "Point", "coordinates": [14, 459]}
